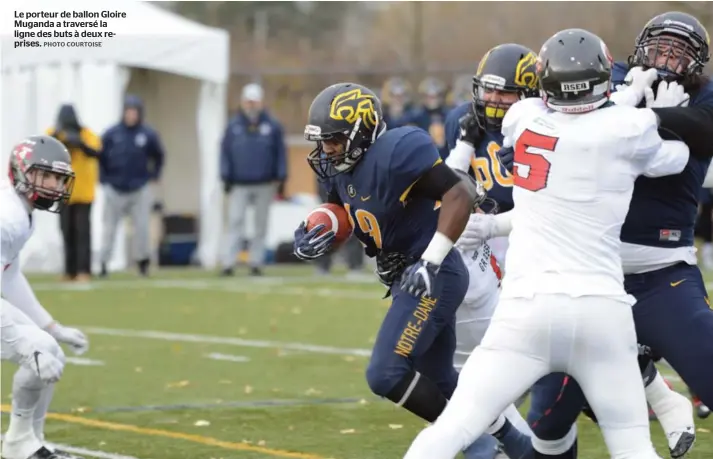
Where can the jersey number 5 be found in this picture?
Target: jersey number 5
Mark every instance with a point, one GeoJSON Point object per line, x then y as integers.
{"type": "Point", "coordinates": [539, 172]}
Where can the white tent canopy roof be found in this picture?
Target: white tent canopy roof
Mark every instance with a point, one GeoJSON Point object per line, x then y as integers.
{"type": "Point", "coordinates": [149, 37]}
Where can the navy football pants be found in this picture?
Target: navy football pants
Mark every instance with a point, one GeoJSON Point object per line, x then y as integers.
{"type": "Point", "coordinates": [419, 333]}
{"type": "Point", "coordinates": [672, 317]}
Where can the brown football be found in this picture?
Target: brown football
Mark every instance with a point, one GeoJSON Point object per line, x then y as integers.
{"type": "Point", "coordinates": [334, 218]}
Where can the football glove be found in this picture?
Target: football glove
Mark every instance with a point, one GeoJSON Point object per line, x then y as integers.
{"type": "Point", "coordinates": [75, 339]}
{"type": "Point", "coordinates": [480, 228]}
{"type": "Point", "coordinates": [639, 79]}
{"type": "Point", "coordinates": [310, 245]}
{"type": "Point", "coordinates": [46, 366]}
{"type": "Point", "coordinates": [419, 279]}
{"type": "Point", "coordinates": [470, 132]}
{"type": "Point", "coordinates": [507, 157]}
{"type": "Point", "coordinates": [667, 95]}
{"type": "Point", "coordinates": [389, 267]}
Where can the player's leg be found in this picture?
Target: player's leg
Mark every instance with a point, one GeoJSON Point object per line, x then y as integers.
{"type": "Point", "coordinates": [237, 208]}
{"type": "Point", "coordinates": [605, 365]}
{"type": "Point", "coordinates": [673, 317]}
{"type": "Point", "coordinates": [495, 374]}
{"type": "Point", "coordinates": [20, 440]}
{"type": "Point", "coordinates": [555, 403]}
{"type": "Point", "coordinates": [84, 239]}
{"type": "Point", "coordinates": [408, 330]}
{"type": "Point", "coordinates": [264, 195]}
{"type": "Point", "coordinates": [436, 363]}
{"type": "Point", "coordinates": [140, 211]}
{"type": "Point", "coordinates": [111, 217]}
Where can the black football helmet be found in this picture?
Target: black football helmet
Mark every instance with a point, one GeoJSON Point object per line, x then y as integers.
{"type": "Point", "coordinates": [348, 113]}
{"type": "Point", "coordinates": [41, 171]}
{"type": "Point", "coordinates": [574, 68]}
{"type": "Point", "coordinates": [680, 38]}
{"type": "Point", "coordinates": [509, 68]}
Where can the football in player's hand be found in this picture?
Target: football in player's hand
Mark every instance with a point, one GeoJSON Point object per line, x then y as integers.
{"type": "Point", "coordinates": [334, 218]}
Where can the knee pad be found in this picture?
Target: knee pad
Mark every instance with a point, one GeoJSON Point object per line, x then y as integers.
{"type": "Point", "coordinates": [26, 379]}
{"type": "Point", "coordinates": [555, 447]}
{"type": "Point", "coordinates": [413, 391]}
{"type": "Point", "coordinates": [548, 429]}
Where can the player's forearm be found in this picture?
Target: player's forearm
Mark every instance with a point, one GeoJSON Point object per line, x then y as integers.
{"type": "Point", "coordinates": [460, 156]}
{"type": "Point", "coordinates": [17, 291]}
{"type": "Point", "coordinates": [456, 206]}
{"type": "Point", "coordinates": [692, 125]}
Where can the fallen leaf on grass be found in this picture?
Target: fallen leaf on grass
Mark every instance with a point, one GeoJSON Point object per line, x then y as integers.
{"type": "Point", "coordinates": [347, 431]}
{"type": "Point", "coordinates": [363, 402]}
{"type": "Point", "coordinates": [348, 358]}
{"type": "Point", "coordinates": [248, 389]}
{"type": "Point", "coordinates": [261, 443]}
{"type": "Point", "coordinates": [312, 391]}
{"type": "Point", "coordinates": [225, 381]}
{"type": "Point", "coordinates": [242, 330]}
{"type": "Point", "coordinates": [138, 369]}
{"type": "Point", "coordinates": [183, 383]}
{"type": "Point", "coordinates": [702, 430]}
{"type": "Point", "coordinates": [395, 426]}
{"type": "Point", "coordinates": [201, 423]}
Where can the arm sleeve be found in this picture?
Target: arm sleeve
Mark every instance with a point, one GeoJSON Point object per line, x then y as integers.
{"type": "Point", "coordinates": [225, 161]}
{"type": "Point", "coordinates": [656, 156]}
{"type": "Point", "coordinates": [106, 145]}
{"type": "Point", "coordinates": [280, 153]}
{"type": "Point", "coordinates": [91, 143]}
{"type": "Point", "coordinates": [692, 125]}
{"type": "Point", "coordinates": [412, 156]}
{"type": "Point", "coordinates": [17, 291]}
{"type": "Point", "coordinates": [435, 182]}
{"type": "Point", "coordinates": [157, 154]}
{"type": "Point", "coordinates": [460, 156]}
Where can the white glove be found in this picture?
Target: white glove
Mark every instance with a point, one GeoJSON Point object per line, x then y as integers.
{"type": "Point", "coordinates": [46, 366]}
{"type": "Point", "coordinates": [668, 95]}
{"type": "Point", "coordinates": [480, 228]}
{"type": "Point", "coordinates": [638, 78]}
{"type": "Point", "coordinates": [77, 341]}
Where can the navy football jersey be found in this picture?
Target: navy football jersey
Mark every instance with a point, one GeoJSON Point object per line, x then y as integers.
{"type": "Point", "coordinates": [663, 210]}
{"type": "Point", "coordinates": [486, 166]}
{"type": "Point", "coordinates": [376, 193]}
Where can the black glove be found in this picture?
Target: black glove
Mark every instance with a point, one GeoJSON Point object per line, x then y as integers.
{"type": "Point", "coordinates": [507, 157]}
{"type": "Point", "coordinates": [470, 130]}
{"type": "Point", "coordinates": [389, 267]}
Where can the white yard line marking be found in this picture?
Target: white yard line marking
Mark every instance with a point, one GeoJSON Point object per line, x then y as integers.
{"type": "Point", "coordinates": [258, 288]}
{"type": "Point", "coordinates": [189, 338]}
{"type": "Point", "coordinates": [227, 357]}
{"type": "Point", "coordinates": [84, 362]}
{"type": "Point", "coordinates": [90, 452]}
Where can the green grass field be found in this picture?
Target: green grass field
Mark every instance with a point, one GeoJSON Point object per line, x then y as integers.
{"type": "Point", "coordinates": [189, 366]}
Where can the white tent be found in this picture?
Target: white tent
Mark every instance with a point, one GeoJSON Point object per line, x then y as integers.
{"type": "Point", "coordinates": [180, 70]}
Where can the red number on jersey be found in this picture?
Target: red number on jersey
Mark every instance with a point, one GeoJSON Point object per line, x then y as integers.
{"type": "Point", "coordinates": [536, 178]}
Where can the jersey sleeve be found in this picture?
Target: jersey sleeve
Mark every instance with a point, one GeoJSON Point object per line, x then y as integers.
{"type": "Point", "coordinates": [655, 156]}
{"type": "Point", "coordinates": [413, 155]}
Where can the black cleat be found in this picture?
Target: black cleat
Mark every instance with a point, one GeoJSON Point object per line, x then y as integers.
{"type": "Point", "coordinates": [44, 453]}
{"type": "Point", "coordinates": [227, 272]}
{"type": "Point", "coordinates": [683, 445]}
{"type": "Point", "coordinates": [255, 271]}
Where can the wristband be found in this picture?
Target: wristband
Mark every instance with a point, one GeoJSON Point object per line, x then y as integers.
{"type": "Point", "coordinates": [437, 249]}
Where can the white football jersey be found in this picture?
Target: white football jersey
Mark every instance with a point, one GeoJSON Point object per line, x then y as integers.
{"type": "Point", "coordinates": [15, 224]}
{"type": "Point", "coordinates": [574, 177]}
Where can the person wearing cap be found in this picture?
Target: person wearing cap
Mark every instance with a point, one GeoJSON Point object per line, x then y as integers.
{"type": "Point", "coordinates": [253, 168]}
{"type": "Point", "coordinates": [131, 158]}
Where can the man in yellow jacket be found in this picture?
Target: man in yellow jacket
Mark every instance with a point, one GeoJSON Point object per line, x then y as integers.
{"type": "Point", "coordinates": [84, 146]}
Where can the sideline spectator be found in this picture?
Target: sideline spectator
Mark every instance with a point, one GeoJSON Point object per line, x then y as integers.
{"type": "Point", "coordinates": [253, 168]}
{"type": "Point", "coordinates": [84, 146]}
{"type": "Point", "coordinates": [131, 159]}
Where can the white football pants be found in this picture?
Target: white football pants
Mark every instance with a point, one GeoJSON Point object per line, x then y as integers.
{"type": "Point", "coordinates": [591, 338]}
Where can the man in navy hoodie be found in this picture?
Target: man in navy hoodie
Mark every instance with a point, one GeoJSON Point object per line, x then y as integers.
{"type": "Point", "coordinates": [131, 158]}
{"type": "Point", "coordinates": [253, 168]}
